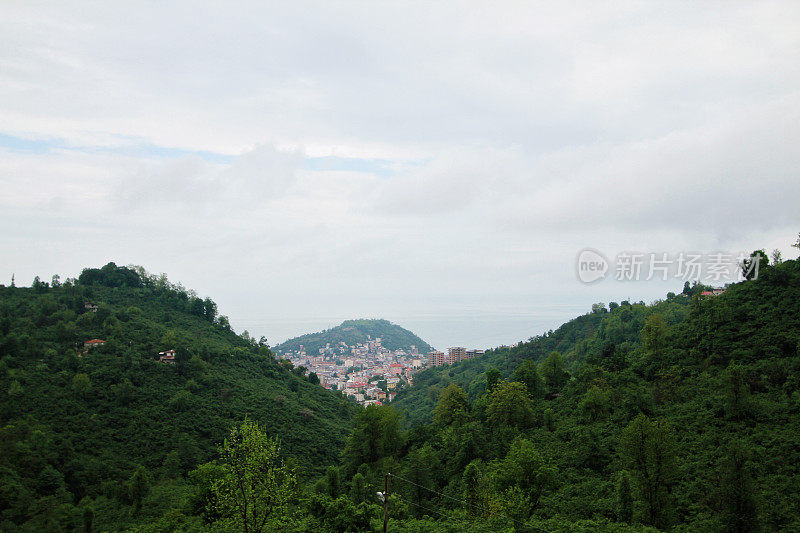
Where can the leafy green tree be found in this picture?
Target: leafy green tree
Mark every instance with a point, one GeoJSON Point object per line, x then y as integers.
{"type": "Point", "coordinates": [524, 475]}
{"type": "Point", "coordinates": [419, 468]}
{"type": "Point", "coordinates": [737, 392]}
{"type": "Point", "coordinates": [124, 391]}
{"type": "Point", "coordinates": [755, 265]}
{"type": "Point", "coordinates": [474, 487]}
{"type": "Point", "coordinates": [492, 377]}
{"type": "Point", "coordinates": [181, 401]}
{"type": "Point", "coordinates": [358, 488]}
{"type": "Point", "coordinates": [595, 402]}
{"type": "Point", "coordinates": [740, 513]}
{"type": "Point", "coordinates": [654, 333]}
{"type": "Point", "coordinates": [624, 498]}
{"type": "Point", "coordinates": [332, 482]}
{"type": "Point", "coordinates": [81, 384]}
{"type": "Point", "coordinates": [87, 519]}
{"type": "Point", "coordinates": [648, 448]}
{"type": "Point", "coordinates": [172, 465]}
{"type": "Point", "coordinates": [15, 389]}
{"type": "Point", "coordinates": [139, 487]}
{"type": "Point", "coordinates": [510, 405]}
{"type": "Point", "coordinates": [375, 434]}
{"type": "Point", "coordinates": [257, 485]}
{"type": "Point", "coordinates": [453, 406]}
{"type": "Point", "coordinates": [549, 419]}
{"type": "Point", "coordinates": [554, 372]}
{"type": "Point", "coordinates": [528, 373]}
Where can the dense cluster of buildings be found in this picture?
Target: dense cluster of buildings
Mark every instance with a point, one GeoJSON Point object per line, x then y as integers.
{"type": "Point", "coordinates": [369, 372]}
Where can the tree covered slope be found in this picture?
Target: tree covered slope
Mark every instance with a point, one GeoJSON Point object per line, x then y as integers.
{"type": "Point", "coordinates": [679, 415]}
{"type": "Point", "coordinates": [352, 332]}
{"type": "Point", "coordinates": [76, 422]}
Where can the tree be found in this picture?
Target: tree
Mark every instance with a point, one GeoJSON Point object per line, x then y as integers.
{"type": "Point", "coordinates": [472, 481]}
{"type": "Point", "coordinates": [528, 374]}
{"type": "Point", "coordinates": [648, 449]}
{"type": "Point", "coordinates": [595, 402]}
{"type": "Point", "coordinates": [209, 309]}
{"type": "Point", "coordinates": [737, 392]}
{"type": "Point", "coordinates": [754, 264]}
{"type": "Point", "coordinates": [139, 487]}
{"type": "Point", "coordinates": [256, 485]}
{"type": "Point", "coordinates": [554, 372]}
{"type": "Point", "coordinates": [524, 476]}
{"type": "Point", "coordinates": [739, 506]}
{"type": "Point", "coordinates": [452, 406]}
{"type": "Point", "coordinates": [375, 434]}
{"type": "Point", "coordinates": [358, 488]}
{"type": "Point", "coordinates": [510, 405]}
{"type": "Point", "coordinates": [420, 464]}
{"type": "Point", "coordinates": [81, 384]}
{"type": "Point", "coordinates": [654, 333]}
{"type": "Point", "coordinates": [624, 498]}
{"type": "Point", "coordinates": [492, 377]}
{"type": "Point", "coordinates": [15, 389]}
{"type": "Point", "coordinates": [332, 482]}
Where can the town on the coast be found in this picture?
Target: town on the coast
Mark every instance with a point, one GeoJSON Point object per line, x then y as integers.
{"type": "Point", "coordinates": [369, 372]}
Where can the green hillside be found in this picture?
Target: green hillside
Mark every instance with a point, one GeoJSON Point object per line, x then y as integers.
{"type": "Point", "coordinates": [76, 423]}
{"type": "Point", "coordinates": [680, 415]}
{"type": "Point", "coordinates": [352, 332]}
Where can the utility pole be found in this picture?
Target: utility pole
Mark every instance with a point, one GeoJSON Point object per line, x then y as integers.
{"type": "Point", "coordinates": [386, 503]}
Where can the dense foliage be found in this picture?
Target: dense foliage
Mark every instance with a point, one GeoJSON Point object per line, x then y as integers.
{"type": "Point", "coordinates": [352, 332]}
{"type": "Point", "coordinates": [679, 415]}
{"type": "Point", "coordinates": [107, 433]}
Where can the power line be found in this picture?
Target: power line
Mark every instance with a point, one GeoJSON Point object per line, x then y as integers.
{"type": "Point", "coordinates": [463, 502]}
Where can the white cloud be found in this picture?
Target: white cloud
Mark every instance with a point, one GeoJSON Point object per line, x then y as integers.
{"type": "Point", "coordinates": [516, 134]}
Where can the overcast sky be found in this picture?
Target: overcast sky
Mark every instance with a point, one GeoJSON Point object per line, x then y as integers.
{"type": "Point", "coordinates": [439, 164]}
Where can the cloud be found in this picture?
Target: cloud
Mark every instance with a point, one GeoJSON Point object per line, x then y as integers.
{"type": "Point", "coordinates": [310, 158]}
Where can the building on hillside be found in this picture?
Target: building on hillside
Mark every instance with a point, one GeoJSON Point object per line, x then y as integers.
{"type": "Point", "coordinates": [472, 354]}
{"type": "Point", "coordinates": [89, 306]}
{"type": "Point", "coordinates": [456, 354]}
{"type": "Point", "coordinates": [93, 343]}
{"type": "Point", "coordinates": [167, 357]}
{"type": "Point", "coordinates": [435, 358]}
{"type": "Point", "coordinates": [713, 292]}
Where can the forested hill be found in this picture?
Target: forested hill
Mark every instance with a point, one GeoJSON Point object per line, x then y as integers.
{"type": "Point", "coordinates": [582, 338]}
{"type": "Point", "coordinates": [352, 332]}
{"type": "Point", "coordinates": [77, 422]}
{"type": "Point", "coordinates": [680, 415]}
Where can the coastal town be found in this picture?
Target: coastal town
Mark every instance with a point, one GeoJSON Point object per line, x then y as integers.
{"type": "Point", "coordinates": [369, 372]}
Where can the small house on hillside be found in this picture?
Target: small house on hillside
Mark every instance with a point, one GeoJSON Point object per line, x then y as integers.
{"type": "Point", "coordinates": [713, 292]}
{"type": "Point", "coordinates": [167, 357]}
{"type": "Point", "coordinates": [89, 306]}
{"type": "Point", "coordinates": [92, 343]}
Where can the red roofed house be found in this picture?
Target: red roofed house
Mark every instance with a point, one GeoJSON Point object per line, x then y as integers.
{"type": "Point", "coordinates": [92, 343]}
